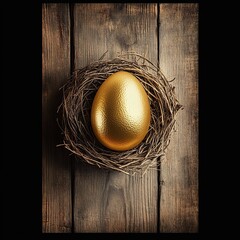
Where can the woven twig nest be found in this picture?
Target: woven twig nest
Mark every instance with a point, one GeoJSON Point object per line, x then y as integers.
{"type": "Point", "coordinates": [75, 114]}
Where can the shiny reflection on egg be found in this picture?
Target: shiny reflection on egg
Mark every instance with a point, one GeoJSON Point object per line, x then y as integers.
{"type": "Point", "coordinates": [120, 114]}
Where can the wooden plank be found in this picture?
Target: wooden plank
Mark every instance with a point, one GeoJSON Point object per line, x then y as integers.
{"type": "Point", "coordinates": [108, 201]}
{"type": "Point", "coordinates": [56, 171]}
{"type": "Point", "coordinates": [178, 54]}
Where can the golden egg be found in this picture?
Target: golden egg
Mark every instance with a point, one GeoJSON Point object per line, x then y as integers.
{"type": "Point", "coordinates": [120, 114]}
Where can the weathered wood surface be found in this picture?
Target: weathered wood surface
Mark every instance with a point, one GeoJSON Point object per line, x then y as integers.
{"type": "Point", "coordinates": [107, 201]}
{"type": "Point", "coordinates": [56, 174]}
{"type": "Point", "coordinates": [178, 51]}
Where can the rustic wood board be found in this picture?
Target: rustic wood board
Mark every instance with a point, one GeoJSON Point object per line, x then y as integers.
{"type": "Point", "coordinates": [107, 201]}
{"type": "Point", "coordinates": [178, 54]}
{"type": "Point", "coordinates": [56, 171]}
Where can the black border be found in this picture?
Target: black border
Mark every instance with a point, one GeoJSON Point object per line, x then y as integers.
{"type": "Point", "coordinates": [21, 127]}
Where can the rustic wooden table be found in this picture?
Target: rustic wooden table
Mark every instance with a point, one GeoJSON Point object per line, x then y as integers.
{"type": "Point", "coordinates": [77, 197]}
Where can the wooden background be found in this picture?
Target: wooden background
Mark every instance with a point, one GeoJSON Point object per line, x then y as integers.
{"type": "Point", "coordinates": [77, 197]}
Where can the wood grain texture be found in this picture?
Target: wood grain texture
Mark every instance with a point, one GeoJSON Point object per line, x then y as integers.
{"type": "Point", "coordinates": [56, 174]}
{"type": "Point", "coordinates": [178, 53]}
{"type": "Point", "coordinates": [107, 201]}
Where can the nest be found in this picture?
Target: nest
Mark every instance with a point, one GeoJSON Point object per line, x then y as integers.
{"type": "Point", "coordinates": [75, 114]}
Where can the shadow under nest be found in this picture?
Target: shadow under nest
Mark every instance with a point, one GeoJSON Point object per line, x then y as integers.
{"type": "Point", "coordinates": [75, 114]}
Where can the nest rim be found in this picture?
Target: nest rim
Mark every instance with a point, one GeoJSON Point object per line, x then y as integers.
{"type": "Point", "coordinates": [75, 108]}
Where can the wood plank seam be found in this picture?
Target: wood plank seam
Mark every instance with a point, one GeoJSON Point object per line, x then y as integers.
{"type": "Point", "coordinates": [159, 164]}
{"type": "Point", "coordinates": [72, 64]}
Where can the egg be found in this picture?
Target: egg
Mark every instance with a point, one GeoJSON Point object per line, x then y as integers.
{"type": "Point", "coordinates": [120, 113]}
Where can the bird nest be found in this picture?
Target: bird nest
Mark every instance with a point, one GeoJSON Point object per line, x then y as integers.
{"type": "Point", "coordinates": [75, 114]}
